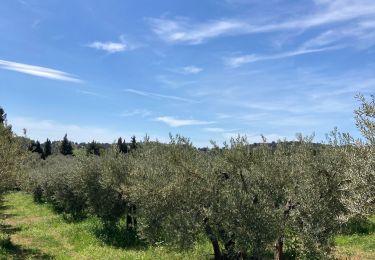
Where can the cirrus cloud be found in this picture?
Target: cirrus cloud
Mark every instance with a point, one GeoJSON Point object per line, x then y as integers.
{"type": "Point", "coordinates": [38, 71]}
{"type": "Point", "coordinates": [174, 122]}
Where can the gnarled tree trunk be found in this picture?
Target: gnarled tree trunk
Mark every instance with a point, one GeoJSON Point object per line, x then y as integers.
{"type": "Point", "coordinates": [278, 251]}
{"type": "Point", "coordinates": [213, 239]}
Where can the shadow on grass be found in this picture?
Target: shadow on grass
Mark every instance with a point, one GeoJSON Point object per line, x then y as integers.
{"type": "Point", "coordinates": [358, 225]}
{"type": "Point", "coordinates": [20, 252]}
{"type": "Point", "coordinates": [117, 235]}
{"type": "Point", "coordinates": [5, 228]}
{"type": "Point", "coordinates": [3, 207]}
{"type": "Point", "coordinates": [73, 215]}
{"type": "Point", "coordinates": [70, 218]}
{"type": "Point", "coordinates": [11, 250]}
{"type": "Point", "coordinates": [8, 229]}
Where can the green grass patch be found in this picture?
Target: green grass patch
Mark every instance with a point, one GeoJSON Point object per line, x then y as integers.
{"type": "Point", "coordinates": [35, 231]}
{"type": "Point", "coordinates": [358, 246]}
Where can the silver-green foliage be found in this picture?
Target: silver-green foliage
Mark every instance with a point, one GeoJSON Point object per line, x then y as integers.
{"type": "Point", "coordinates": [242, 197]}
{"type": "Point", "coordinates": [365, 117]}
{"type": "Point", "coordinates": [169, 185]}
{"type": "Point", "coordinates": [290, 191]}
{"type": "Point", "coordinates": [105, 181]}
{"type": "Point", "coordinates": [12, 157]}
{"type": "Point", "coordinates": [81, 185]}
{"type": "Point", "coordinates": [58, 180]}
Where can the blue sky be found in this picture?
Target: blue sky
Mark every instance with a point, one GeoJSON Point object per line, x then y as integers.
{"type": "Point", "coordinates": [205, 69]}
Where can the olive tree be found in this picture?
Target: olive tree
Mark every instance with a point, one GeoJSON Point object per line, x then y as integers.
{"type": "Point", "coordinates": [105, 179]}
{"type": "Point", "coordinates": [365, 117]}
{"type": "Point", "coordinates": [283, 193]}
{"type": "Point", "coordinates": [11, 155]}
{"type": "Point", "coordinates": [244, 199]}
{"type": "Point", "coordinates": [58, 180]}
{"type": "Point", "coordinates": [166, 187]}
{"type": "Point", "coordinates": [359, 184]}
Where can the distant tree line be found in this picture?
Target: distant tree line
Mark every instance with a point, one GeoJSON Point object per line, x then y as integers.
{"type": "Point", "coordinates": [66, 147]}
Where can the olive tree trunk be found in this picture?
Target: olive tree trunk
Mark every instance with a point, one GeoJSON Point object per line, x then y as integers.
{"type": "Point", "coordinates": [278, 251]}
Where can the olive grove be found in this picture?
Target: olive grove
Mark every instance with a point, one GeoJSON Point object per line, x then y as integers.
{"type": "Point", "coordinates": [281, 201]}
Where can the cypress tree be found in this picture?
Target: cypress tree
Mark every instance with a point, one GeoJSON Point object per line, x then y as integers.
{"type": "Point", "coordinates": [93, 148]}
{"type": "Point", "coordinates": [47, 148]}
{"type": "Point", "coordinates": [3, 116]}
{"type": "Point", "coordinates": [66, 147]}
{"type": "Point", "coordinates": [35, 147]}
{"type": "Point", "coordinates": [122, 146]}
{"type": "Point", "coordinates": [131, 220]}
{"type": "Point", "coordinates": [38, 148]}
{"type": "Point", "coordinates": [133, 143]}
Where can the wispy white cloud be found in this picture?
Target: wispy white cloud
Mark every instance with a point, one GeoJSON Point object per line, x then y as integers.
{"type": "Point", "coordinates": [157, 95]}
{"type": "Point", "coordinates": [173, 82]}
{"type": "Point", "coordinates": [121, 45]}
{"type": "Point", "coordinates": [326, 12]}
{"type": "Point", "coordinates": [356, 35]}
{"type": "Point", "coordinates": [302, 106]}
{"type": "Point", "coordinates": [89, 93]}
{"type": "Point", "coordinates": [218, 130]}
{"type": "Point", "coordinates": [174, 122]}
{"type": "Point", "coordinates": [136, 112]}
{"type": "Point", "coordinates": [296, 121]}
{"type": "Point", "coordinates": [215, 129]}
{"type": "Point", "coordinates": [42, 129]}
{"type": "Point", "coordinates": [187, 70]}
{"type": "Point", "coordinates": [235, 62]}
{"type": "Point", "coordinates": [180, 30]}
{"type": "Point", "coordinates": [38, 71]}
{"type": "Point", "coordinates": [351, 87]}
{"type": "Point", "coordinates": [110, 47]}
{"type": "Point", "coordinates": [191, 70]}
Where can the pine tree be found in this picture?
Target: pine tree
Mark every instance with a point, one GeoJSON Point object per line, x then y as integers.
{"type": "Point", "coordinates": [66, 147]}
{"type": "Point", "coordinates": [122, 146]}
{"type": "Point", "coordinates": [47, 148]}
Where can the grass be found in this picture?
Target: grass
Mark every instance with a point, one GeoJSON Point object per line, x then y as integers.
{"type": "Point", "coordinates": [357, 246]}
{"type": "Point", "coordinates": [34, 231]}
